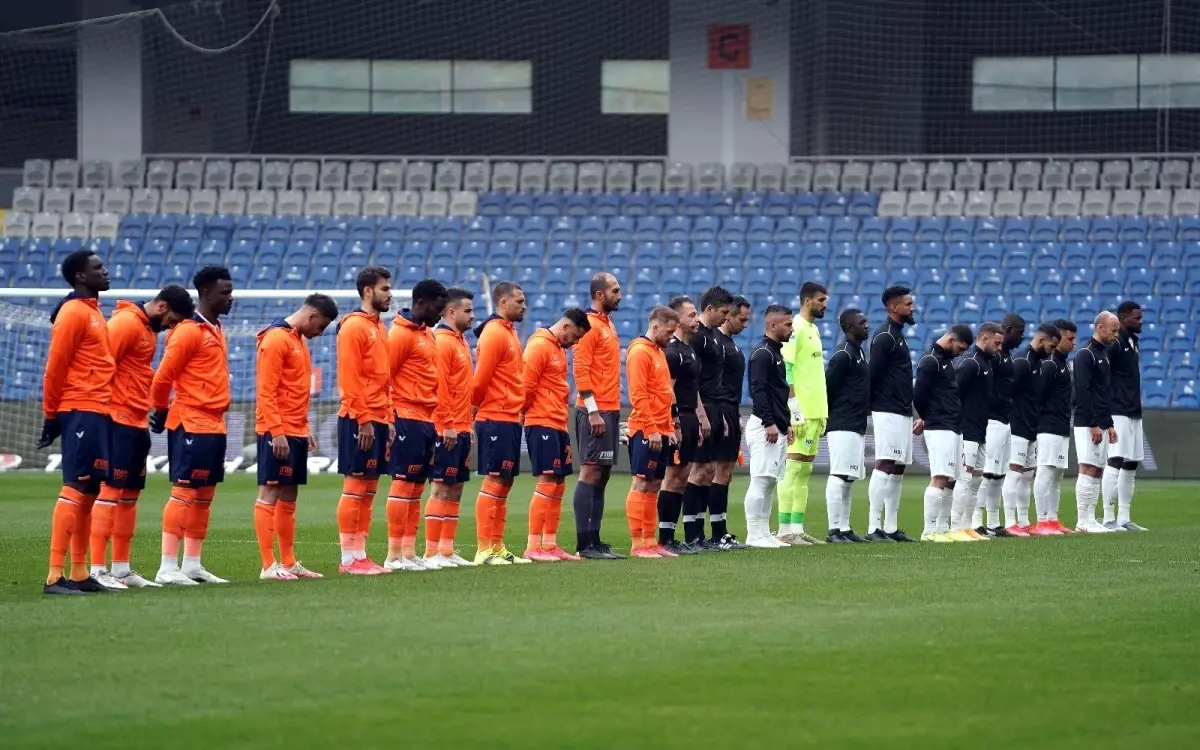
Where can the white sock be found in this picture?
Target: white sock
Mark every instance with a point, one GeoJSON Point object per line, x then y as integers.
{"type": "Point", "coordinates": [169, 563]}
{"type": "Point", "coordinates": [981, 495]}
{"type": "Point", "coordinates": [833, 500]}
{"type": "Point", "coordinates": [933, 506]}
{"type": "Point", "coordinates": [1108, 492]}
{"type": "Point", "coordinates": [1056, 477]}
{"type": "Point", "coordinates": [97, 570]}
{"type": "Point", "coordinates": [347, 558]}
{"type": "Point", "coordinates": [877, 491]}
{"type": "Point", "coordinates": [1043, 484]}
{"type": "Point", "coordinates": [1085, 500]}
{"type": "Point", "coordinates": [1125, 484]}
{"type": "Point", "coordinates": [756, 495]}
{"type": "Point", "coordinates": [769, 504]}
{"type": "Point", "coordinates": [891, 503]}
{"type": "Point", "coordinates": [1024, 490]}
{"type": "Point", "coordinates": [847, 492]}
{"type": "Point", "coordinates": [973, 501]}
{"type": "Point", "coordinates": [191, 563]}
{"type": "Point", "coordinates": [120, 569]}
{"type": "Point", "coordinates": [990, 492]}
{"type": "Point", "coordinates": [944, 512]}
{"type": "Point", "coordinates": [1010, 490]}
{"type": "Point", "coordinates": [960, 510]}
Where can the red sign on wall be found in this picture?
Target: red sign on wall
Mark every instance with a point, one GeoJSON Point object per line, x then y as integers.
{"type": "Point", "coordinates": [729, 47]}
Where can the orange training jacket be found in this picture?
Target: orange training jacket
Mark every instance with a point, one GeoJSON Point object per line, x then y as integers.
{"type": "Point", "coordinates": [282, 381]}
{"type": "Point", "coordinates": [649, 388]}
{"type": "Point", "coordinates": [362, 368]}
{"type": "Point", "coordinates": [497, 390]}
{"type": "Point", "coordinates": [598, 363]}
{"type": "Point", "coordinates": [411, 359]}
{"type": "Point", "coordinates": [453, 408]}
{"type": "Point", "coordinates": [79, 366]}
{"type": "Point", "coordinates": [133, 344]}
{"type": "Point", "coordinates": [547, 393]}
{"type": "Point", "coordinates": [196, 365]}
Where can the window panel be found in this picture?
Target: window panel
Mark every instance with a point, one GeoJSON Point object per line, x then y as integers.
{"type": "Point", "coordinates": [493, 87]}
{"type": "Point", "coordinates": [635, 87]}
{"type": "Point", "coordinates": [410, 86]}
{"type": "Point", "coordinates": [1096, 82]}
{"type": "Point", "coordinates": [329, 86]}
{"type": "Point", "coordinates": [1170, 81]}
{"type": "Point", "coordinates": [1013, 84]}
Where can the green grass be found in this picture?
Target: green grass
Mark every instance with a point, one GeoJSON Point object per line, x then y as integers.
{"type": "Point", "coordinates": [1087, 642]}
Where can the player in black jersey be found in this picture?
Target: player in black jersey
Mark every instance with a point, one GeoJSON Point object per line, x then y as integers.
{"type": "Point", "coordinates": [848, 393]}
{"type": "Point", "coordinates": [714, 308]}
{"type": "Point", "coordinates": [1054, 432]}
{"type": "Point", "coordinates": [694, 427]}
{"type": "Point", "coordinates": [733, 378]}
{"type": "Point", "coordinates": [998, 438]}
{"type": "Point", "coordinates": [1023, 418]}
{"type": "Point", "coordinates": [975, 375]}
{"type": "Point", "coordinates": [1125, 455]}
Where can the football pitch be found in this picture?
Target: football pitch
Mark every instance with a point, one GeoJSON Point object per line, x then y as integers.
{"type": "Point", "coordinates": [1088, 642]}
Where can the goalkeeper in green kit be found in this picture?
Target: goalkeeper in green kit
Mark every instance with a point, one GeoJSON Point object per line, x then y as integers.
{"type": "Point", "coordinates": [805, 362]}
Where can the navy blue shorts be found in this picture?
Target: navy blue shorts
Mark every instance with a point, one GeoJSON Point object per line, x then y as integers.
{"type": "Point", "coordinates": [86, 444]}
{"type": "Point", "coordinates": [412, 452]}
{"type": "Point", "coordinates": [129, 447]}
{"type": "Point", "coordinates": [450, 467]}
{"type": "Point", "coordinates": [197, 459]}
{"type": "Point", "coordinates": [355, 463]}
{"type": "Point", "coordinates": [499, 448]}
{"type": "Point", "coordinates": [549, 451]}
{"type": "Point", "coordinates": [290, 471]}
{"type": "Point", "coordinates": [646, 464]}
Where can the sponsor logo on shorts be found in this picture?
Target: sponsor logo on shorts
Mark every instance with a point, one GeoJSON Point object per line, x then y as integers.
{"type": "Point", "coordinates": [100, 463]}
{"type": "Point", "coordinates": [853, 467]}
{"type": "Point", "coordinates": [607, 455]}
{"type": "Point", "coordinates": [507, 465]}
{"type": "Point", "coordinates": [415, 468]}
{"type": "Point", "coordinates": [200, 475]}
{"type": "Point", "coordinates": [651, 465]}
{"type": "Point", "coordinates": [121, 475]}
{"type": "Point", "coordinates": [451, 471]}
{"type": "Point", "coordinates": [372, 463]}
{"type": "Point", "coordinates": [285, 471]}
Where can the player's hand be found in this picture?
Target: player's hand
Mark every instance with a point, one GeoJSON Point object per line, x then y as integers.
{"type": "Point", "coordinates": [678, 436]}
{"type": "Point", "coordinates": [366, 436]}
{"type": "Point", "coordinates": [391, 433]}
{"type": "Point", "coordinates": [280, 447]}
{"type": "Point", "coordinates": [1097, 435]}
{"type": "Point", "coordinates": [655, 441]}
{"type": "Point", "coordinates": [596, 423]}
{"type": "Point", "coordinates": [705, 425]}
{"type": "Point", "coordinates": [312, 443]}
{"type": "Point", "coordinates": [449, 438]}
{"type": "Point", "coordinates": [791, 435]}
{"type": "Point", "coordinates": [158, 421]}
{"type": "Point", "coordinates": [918, 426]}
{"type": "Point", "coordinates": [772, 434]}
{"type": "Point", "coordinates": [1112, 435]}
{"type": "Point", "coordinates": [51, 429]}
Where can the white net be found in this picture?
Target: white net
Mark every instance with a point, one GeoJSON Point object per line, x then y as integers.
{"type": "Point", "coordinates": [25, 337]}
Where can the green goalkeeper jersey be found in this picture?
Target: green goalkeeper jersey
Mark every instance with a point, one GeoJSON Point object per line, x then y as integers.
{"type": "Point", "coordinates": [805, 361]}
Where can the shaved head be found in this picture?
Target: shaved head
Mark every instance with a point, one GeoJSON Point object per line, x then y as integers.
{"type": "Point", "coordinates": [1106, 327]}
{"type": "Point", "coordinates": [606, 292]}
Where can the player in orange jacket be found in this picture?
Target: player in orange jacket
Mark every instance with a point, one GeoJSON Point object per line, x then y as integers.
{"type": "Point", "coordinates": [653, 428]}
{"type": "Point", "coordinates": [547, 406]}
{"type": "Point", "coordinates": [283, 389]}
{"type": "Point", "coordinates": [195, 365]}
{"type": "Point", "coordinates": [412, 363]}
{"type": "Point", "coordinates": [365, 428]}
{"type": "Point", "coordinates": [76, 396]}
{"type": "Point", "coordinates": [133, 332]}
{"type": "Point", "coordinates": [498, 395]}
{"type": "Point", "coordinates": [452, 420]}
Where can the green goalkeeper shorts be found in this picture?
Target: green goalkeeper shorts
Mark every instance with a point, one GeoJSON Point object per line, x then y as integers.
{"type": "Point", "coordinates": [807, 438]}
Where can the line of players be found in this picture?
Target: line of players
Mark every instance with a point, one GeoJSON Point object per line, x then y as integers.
{"type": "Point", "coordinates": [413, 406]}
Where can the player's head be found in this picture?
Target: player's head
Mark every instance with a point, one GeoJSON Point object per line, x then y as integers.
{"type": "Point", "coordinates": [714, 306]}
{"type": "Point", "coordinates": [1105, 327]}
{"type": "Point", "coordinates": [898, 301]}
{"type": "Point", "coordinates": [1014, 331]}
{"type": "Point", "coordinates": [689, 319]}
{"type": "Point", "coordinates": [1067, 332]}
{"type": "Point", "coordinates": [606, 292]}
{"type": "Point", "coordinates": [459, 313]}
{"type": "Point", "coordinates": [739, 316]}
{"type": "Point", "coordinates": [989, 337]}
{"type": "Point", "coordinates": [169, 307]}
{"type": "Point", "coordinates": [571, 327]}
{"type": "Point", "coordinates": [214, 286]}
{"type": "Point", "coordinates": [1129, 313]}
{"type": "Point", "coordinates": [814, 298]}
{"type": "Point", "coordinates": [663, 321]}
{"type": "Point", "coordinates": [509, 299]}
{"type": "Point", "coordinates": [1045, 339]}
{"type": "Point", "coordinates": [854, 325]}
{"type": "Point", "coordinates": [777, 322]}
{"type": "Point", "coordinates": [374, 285]}
{"type": "Point", "coordinates": [428, 301]}
{"type": "Point", "coordinates": [85, 273]}
{"type": "Point", "coordinates": [957, 339]}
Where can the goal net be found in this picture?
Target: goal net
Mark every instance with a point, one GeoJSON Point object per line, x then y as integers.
{"type": "Point", "coordinates": [25, 337]}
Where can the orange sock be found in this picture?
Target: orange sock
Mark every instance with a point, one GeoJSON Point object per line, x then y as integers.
{"type": "Point", "coordinates": [264, 529]}
{"type": "Point", "coordinates": [104, 514]}
{"type": "Point", "coordinates": [370, 487]}
{"type": "Point", "coordinates": [175, 518]}
{"type": "Point", "coordinates": [62, 526]}
{"type": "Point", "coordinates": [197, 524]}
{"type": "Point", "coordinates": [434, 513]}
{"type": "Point", "coordinates": [449, 527]}
{"type": "Point", "coordinates": [285, 529]}
{"type": "Point", "coordinates": [404, 516]}
{"type": "Point", "coordinates": [80, 537]}
{"type": "Point", "coordinates": [349, 507]}
{"type": "Point", "coordinates": [553, 516]}
{"type": "Point", "coordinates": [633, 514]}
{"type": "Point", "coordinates": [124, 526]}
{"type": "Point", "coordinates": [650, 519]}
{"type": "Point", "coordinates": [490, 496]}
{"type": "Point", "coordinates": [539, 511]}
{"type": "Point", "coordinates": [499, 521]}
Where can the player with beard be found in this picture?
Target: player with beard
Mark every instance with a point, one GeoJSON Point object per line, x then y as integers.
{"type": "Point", "coordinates": [1027, 388]}
{"type": "Point", "coordinates": [1129, 450]}
{"type": "Point", "coordinates": [729, 448]}
{"type": "Point", "coordinates": [999, 433]}
{"type": "Point", "coordinates": [1054, 432]}
{"type": "Point", "coordinates": [891, 414]}
{"type": "Point", "coordinates": [937, 404]}
{"type": "Point", "coordinates": [975, 375]}
{"type": "Point", "coordinates": [714, 308]}
{"type": "Point", "coordinates": [769, 431]}
{"type": "Point", "coordinates": [848, 393]}
{"type": "Point", "coordinates": [1094, 431]}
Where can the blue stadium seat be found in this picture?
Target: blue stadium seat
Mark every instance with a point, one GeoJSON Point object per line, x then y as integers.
{"type": "Point", "coordinates": [248, 228]}
{"type": "Point", "coordinates": [421, 229]}
{"type": "Point", "coordinates": [1191, 255]}
{"type": "Point", "coordinates": [447, 229]}
{"type": "Point", "coordinates": [703, 253]}
{"type": "Point", "coordinates": [506, 227]}
{"type": "Point", "coordinates": [635, 204]}
{"type": "Point", "coordinates": [1166, 255]}
{"type": "Point", "coordinates": [959, 229]}
{"type": "Point", "coordinates": [705, 229]}
{"type": "Point", "coordinates": [548, 205]}
{"type": "Point", "coordinates": [1191, 285]}
{"type": "Point", "coordinates": [386, 254]}
{"type": "Point", "coordinates": [873, 229]}
{"type": "Point", "coordinates": [446, 254]}
{"type": "Point", "coordinates": [1018, 283]}
{"type": "Point", "coordinates": [519, 204]}
{"type": "Point", "coordinates": [190, 227]}
{"type": "Point", "coordinates": [591, 229]}
{"type": "Point", "coordinates": [1045, 229]}
{"type": "Point", "coordinates": [1134, 229]}
{"type": "Point", "coordinates": [498, 254]}
{"type": "Point", "coordinates": [761, 229]}
{"type": "Point", "coordinates": [556, 280]}
{"type": "Point", "coordinates": [1185, 395]}
{"type": "Point", "coordinates": [806, 204]}
{"type": "Point", "coordinates": [1080, 282]}
{"type": "Point", "coordinates": [986, 230]}
{"type": "Point", "coordinates": [579, 205]}
{"type": "Point", "coordinates": [563, 229]}
{"type": "Point", "coordinates": [1189, 228]}
{"type": "Point", "coordinates": [1076, 255]}
{"type": "Point", "coordinates": [392, 229]}
{"type": "Point", "coordinates": [872, 254]}
{"type": "Point", "coordinates": [478, 229]}
{"type": "Point", "coordinates": [789, 229]}
{"type": "Point", "coordinates": [619, 228]}
{"type": "Point", "coordinates": [162, 227]}
{"type": "Point", "coordinates": [1027, 307]}
{"type": "Point", "coordinates": [664, 204]}
{"type": "Point", "coordinates": [1075, 229]}
{"type": "Point", "coordinates": [959, 255]}
{"type": "Point", "coordinates": [588, 254]}
{"type": "Point", "coordinates": [677, 229]}
{"type": "Point", "coordinates": [1015, 229]}
{"type": "Point", "coordinates": [1156, 394]}
{"type": "Point", "coordinates": [930, 283]}
{"type": "Point", "coordinates": [938, 310]}
{"type": "Point", "coordinates": [1104, 229]}
{"type": "Point", "coordinates": [733, 229]}
{"type": "Point", "coordinates": [930, 255]}
{"type": "Point", "coordinates": [1106, 254]}
{"type": "Point", "coordinates": [361, 228]}
{"type": "Point", "coordinates": [649, 229]}
{"type": "Point", "coordinates": [931, 229]}
{"type": "Point", "coordinates": [530, 254]}
{"type": "Point", "coordinates": [731, 253]}
{"type": "Point", "coordinates": [816, 254]}
{"type": "Point", "coordinates": [1183, 366]}
{"type": "Point", "coordinates": [903, 229]}
{"type": "Point", "coordinates": [1175, 310]}
{"type": "Point", "coordinates": [863, 204]}
{"type": "Point", "coordinates": [843, 257]}
{"type": "Point", "coordinates": [834, 204]}
{"type": "Point", "coordinates": [335, 228]}
{"type": "Point", "coordinates": [817, 229]}
{"type": "Point", "coordinates": [1154, 367]}
{"type": "Point", "coordinates": [787, 253]}
{"type": "Point", "coordinates": [490, 204]}
{"type": "Point", "coordinates": [559, 254]}
{"type": "Point", "coordinates": [750, 204]}
{"type": "Point", "coordinates": [1049, 255]}
{"type": "Point", "coordinates": [1170, 282]}
{"type": "Point", "coordinates": [844, 229]}
{"type": "Point", "coordinates": [694, 204]}
{"type": "Point", "coordinates": [1164, 229]}
{"type": "Point", "coordinates": [959, 282]}
{"type": "Point", "coordinates": [1136, 254]}
{"type": "Point", "coordinates": [995, 308]}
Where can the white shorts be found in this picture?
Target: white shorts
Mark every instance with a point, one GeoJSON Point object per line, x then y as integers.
{"type": "Point", "coordinates": [766, 459]}
{"type": "Point", "coordinates": [1052, 450]}
{"type": "Point", "coordinates": [1130, 445]}
{"type": "Point", "coordinates": [893, 437]}
{"type": "Point", "coordinates": [972, 458]}
{"type": "Point", "coordinates": [945, 452]}
{"type": "Point", "coordinates": [846, 454]}
{"type": "Point", "coordinates": [996, 449]}
{"type": "Point", "coordinates": [1024, 452]}
{"type": "Point", "coordinates": [1086, 452]}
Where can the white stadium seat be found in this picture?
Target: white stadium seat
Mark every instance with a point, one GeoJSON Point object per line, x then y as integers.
{"type": "Point", "coordinates": [347, 202]}
{"type": "Point", "coordinates": [883, 176]}
{"type": "Point", "coordinates": [231, 201]}
{"type": "Point", "coordinates": [289, 202]}
{"type": "Point", "coordinates": [1037, 203]}
{"type": "Point", "coordinates": [741, 175]}
{"type": "Point", "coordinates": [949, 203]}
{"type": "Point", "coordinates": [434, 203]}
{"type": "Point", "coordinates": [591, 177]}
{"type": "Point", "coordinates": [1056, 175]}
{"type": "Point", "coordinates": [532, 177]}
{"type": "Point", "coordinates": [318, 202]}
{"type": "Point", "coordinates": [1067, 203]}
{"type": "Point", "coordinates": [189, 174]}
{"type": "Point", "coordinates": [17, 224]}
{"type": "Point", "coordinates": [968, 175]}
{"type": "Point", "coordinates": [131, 173]}
{"type": "Point", "coordinates": [710, 175]}
{"type": "Point", "coordinates": [678, 177]}
{"type": "Point", "coordinates": [827, 175]}
{"type": "Point", "coordinates": [204, 202]}
{"type": "Point", "coordinates": [506, 177]}
{"type": "Point", "coordinates": [276, 175]}
{"type": "Point", "coordinates": [247, 173]}
{"type": "Point", "coordinates": [1144, 174]}
{"type": "Point", "coordinates": [305, 175]}
{"type": "Point", "coordinates": [920, 203]}
{"type": "Point", "coordinates": [36, 173]}
{"type": "Point", "coordinates": [1157, 202]}
{"type": "Point", "coordinates": [175, 201]}
{"type": "Point", "coordinates": [770, 177]}
{"type": "Point", "coordinates": [799, 177]}
{"type": "Point", "coordinates": [1186, 202]}
{"type": "Point", "coordinates": [979, 203]}
{"type": "Point", "coordinates": [145, 201]}
{"type": "Point", "coordinates": [891, 203]}
{"type": "Point", "coordinates": [218, 174]}
{"type": "Point", "coordinates": [389, 175]}
{"type": "Point", "coordinates": [46, 225]}
{"type": "Point", "coordinates": [86, 200]}
{"type": "Point", "coordinates": [998, 175]}
{"type": "Point", "coordinates": [332, 176]}
{"type": "Point", "coordinates": [618, 177]}
{"type": "Point", "coordinates": [97, 173]}
{"type": "Point", "coordinates": [463, 203]}
{"type": "Point", "coordinates": [116, 200]}
{"type": "Point", "coordinates": [939, 175]}
{"type": "Point", "coordinates": [1174, 174]}
{"type": "Point", "coordinates": [1027, 175]}
{"type": "Point", "coordinates": [855, 177]}
{"type": "Point", "coordinates": [77, 225]}
{"type": "Point", "coordinates": [65, 173]}
{"type": "Point", "coordinates": [448, 175]}
{"type": "Point", "coordinates": [1096, 202]}
{"type": "Point", "coordinates": [911, 176]}
{"type": "Point", "coordinates": [56, 200]}
{"type": "Point", "coordinates": [361, 175]}
{"type": "Point", "coordinates": [106, 225]}
{"type": "Point", "coordinates": [260, 202]}
{"type": "Point", "coordinates": [648, 177]}
{"type": "Point", "coordinates": [27, 199]}
{"type": "Point", "coordinates": [477, 176]}
{"type": "Point", "coordinates": [160, 174]}
{"type": "Point", "coordinates": [1126, 202]}
{"type": "Point", "coordinates": [405, 203]}
{"type": "Point", "coordinates": [1085, 174]}
{"type": "Point", "coordinates": [377, 203]}
{"type": "Point", "coordinates": [1114, 174]}
{"type": "Point", "coordinates": [418, 175]}
{"type": "Point", "coordinates": [1009, 203]}
{"type": "Point", "coordinates": [562, 177]}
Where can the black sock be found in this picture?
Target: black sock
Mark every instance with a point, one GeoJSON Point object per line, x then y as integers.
{"type": "Point", "coordinates": [582, 500]}
{"type": "Point", "coordinates": [718, 505]}
{"type": "Point", "coordinates": [693, 512]}
{"type": "Point", "coordinates": [669, 504]}
{"type": "Point", "coordinates": [597, 508]}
